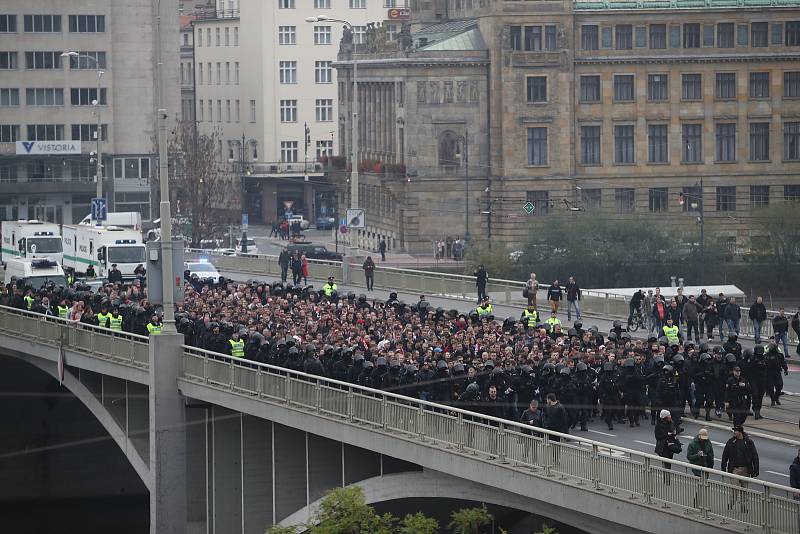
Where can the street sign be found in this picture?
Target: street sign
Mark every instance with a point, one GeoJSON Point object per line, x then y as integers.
{"type": "Point", "coordinates": [245, 221]}
{"type": "Point", "coordinates": [529, 207]}
{"type": "Point", "coordinates": [399, 13]}
{"type": "Point", "coordinates": [356, 219]}
{"type": "Point", "coordinates": [99, 209]}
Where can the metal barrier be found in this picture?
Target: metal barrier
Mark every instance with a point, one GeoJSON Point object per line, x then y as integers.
{"type": "Point", "coordinates": [508, 292]}
{"type": "Point", "coordinates": [96, 341]}
{"type": "Point", "coordinates": [630, 474]}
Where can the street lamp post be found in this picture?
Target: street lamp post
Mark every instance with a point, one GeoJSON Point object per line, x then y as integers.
{"type": "Point", "coordinates": [242, 192]}
{"type": "Point", "coordinates": [99, 133]}
{"type": "Point", "coordinates": [354, 202]}
{"type": "Point", "coordinates": [701, 220]}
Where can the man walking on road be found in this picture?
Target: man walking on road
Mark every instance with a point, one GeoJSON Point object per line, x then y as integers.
{"type": "Point", "coordinates": [554, 294]}
{"type": "Point", "coordinates": [573, 298]}
{"type": "Point", "coordinates": [382, 249]}
{"type": "Point", "coordinates": [780, 326]}
{"type": "Point", "coordinates": [758, 314]}
{"type": "Point", "coordinates": [369, 272]}
{"type": "Point", "coordinates": [283, 261]}
{"type": "Point", "coordinates": [794, 475]}
{"type": "Point", "coordinates": [740, 458]}
{"type": "Point", "coordinates": [481, 277]}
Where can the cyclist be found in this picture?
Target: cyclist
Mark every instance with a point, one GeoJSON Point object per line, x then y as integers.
{"type": "Point", "coordinates": [635, 305]}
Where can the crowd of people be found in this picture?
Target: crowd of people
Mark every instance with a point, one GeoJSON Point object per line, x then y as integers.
{"type": "Point", "coordinates": [521, 369]}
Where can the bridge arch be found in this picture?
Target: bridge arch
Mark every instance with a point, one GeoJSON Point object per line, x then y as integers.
{"type": "Point", "coordinates": [103, 416]}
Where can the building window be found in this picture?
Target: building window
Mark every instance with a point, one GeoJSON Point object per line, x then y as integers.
{"type": "Point", "coordinates": [252, 111]}
{"type": "Point", "coordinates": [657, 199]}
{"type": "Point", "coordinates": [540, 201]}
{"type": "Point", "coordinates": [219, 73]}
{"type": "Point", "coordinates": [42, 60]}
{"type": "Point", "coordinates": [219, 110]}
{"type": "Point", "coordinates": [42, 23]}
{"type": "Point", "coordinates": [285, 4]}
{"type": "Point", "coordinates": [45, 132]}
{"type": "Point", "coordinates": [86, 96]}
{"type": "Point", "coordinates": [657, 87]}
{"type": "Point", "coordinates": [590, 88]}
{"type": "Point", "coordinates": [537, 146]}
{"type": "Point", "coordinates": [725, 35]}
{"type": "Point", "coordinates": [726, 86]}
{"type": "Point", "coordinates": [590, 37]}
{"type": "Point", "coordinates": [88, 60]}
{"type": "Point", "coordinates": [227, 111]}
{"type": "Point", "coordinates": [536, 88]}
{"type": "Point", "coordinates": [358, 4]}
{"type": "Point", "coordinates": [623, 144]}
{"type": "Point", "coordinates": [533, 38]}
{"type": "Point", "coordinates": [591, 199]}
{"type": "Point", "coordinates": [228, 72]}
{"type": "Point", "coordinates": [227, 36]}
{"type": "Point", "coordinates": [691, 35]}
{"type": "Point", "coordinates": [623, 87]}
{"type": "Point", "coordinates": [236, 36]}
{"type": "Point", "coordinates": [791, 141]}
{"type": "Point", "coordinates": [726, 141]}
{"type": "Point", "coordinates": [449, 151]}
{"type": "Point", "coordinates": [759, 196]}
{"type": "Point", "coordinates": [87, 23]}
{"type": "Point", "coordinates": [8, 24]}
{"type": "Point", "coordinates": [287, 35]}
{"type": "Point", "coordinates": [759, 34]}
{"type": "Point", "coordinates": [516, 37]}
{"type": "Point", "coordinates": [624, 36]}
{"type": "Point", "coordinates": [793, 33]}
{"type": "Point", "coordinates": [289, 151]}
{"type": "Point", "coordinates": [791, 192]}
{"type": "Point", "coordinates": [759, 141]}
{"type": "Point", "coordinates": [324, 109]}
{"type": "Point", "coordinates": [322, 4]}
{"type": "Point", "coordinates": [9, 133]}
{"type": "Point", "coordinates": [692, 143]}
{"type": "Point", "coordinates": [288, 72]}
{"type": "Point", "coordinates": [791, 84]}
{"type": "Point", "coordinates": [625, 199]}
{"type": "Point", "coordinates": [199, 39]}
{"type": "Point", "coordinates": [200, 111]}
{"type": "Point", "coordinates": [323, 72]}
{"type": "Point", "coordinates": [10, 97]}
{"type": "Point", "coordinates": [324, 149]}
{"type": "Point", "coordinates": [359, 34]}
{"type": "Point", "coordinates": [46, 96]}
{"type": "Point", "coordinates": [691, 86]}
{"type": "Point", "coordinates": [8, 60]}
{"type": "Point", "coordinates": [218, 40]}
{"type": "Point", "coordinates": [322, 35]}
{"type": "Point", "coordinates": [210, 111]}
{"type": "Point", "coordinates": [550, 41]}
{"type": "Point", "coordinates": [590, 145]}
{"type": "Point", "coordinates": [759, 85]}
{"type": "Point", "coordinates": [726, 198]}
{"type": "Point", "coordinates": [657, 143]}
{"type": "Point", "coordinates": [658, 36]}
{"type": "Point", "coordinates": [238, 111]}
{"type": "Point", "coordinates": [208, 36]}
{"type": "Point", "coordinates": [199, 73]}
{"type": "Point", "coordinates": [88, 132]}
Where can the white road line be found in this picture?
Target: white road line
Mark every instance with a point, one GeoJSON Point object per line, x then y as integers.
{"type": "Point", "coordinates": [644, 443]}
{"type": "Point", "coordinates": [603, 433]}
{"type": "Point", "coordinates": [779, 474]}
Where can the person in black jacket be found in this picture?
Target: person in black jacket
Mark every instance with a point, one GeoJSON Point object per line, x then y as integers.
{"type": "Point", "coordinates": [740, 457]}
{"type": "Point", "coordinates": [780, 327]}
{"type": "Point", "coordinates": [283, 261]}
{"type": "Point", "coordinates": [794, 475]}
{"type": "Point", "coordinates": [481, 277]}
{"type": "Point", "coordinates": [757, 314]}
{"type": "Point", "coordinates": [554, 295]}
{"type": "Point", "coordinates": [114, 275]}
{"type": "Point", "coordinates": [555, 416]}
{"type": "Point", "coordinates": [732, 315]}
{"type": "Point", "coordinates": [667, 444]}
{"type": "Point", "coordinates": [573, 298]}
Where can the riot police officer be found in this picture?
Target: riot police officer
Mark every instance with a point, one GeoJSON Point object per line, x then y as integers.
{"type": "Point", "coordinates": [738, 397]}
{"type": "Point", "coordinates": [609, 393]}
{"type": "Point", "coordinates": [776, 362]}
{"type": "Point", "coordinates": [704, 386]}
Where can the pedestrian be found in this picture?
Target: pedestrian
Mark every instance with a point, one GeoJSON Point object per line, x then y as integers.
{"type": "Point", "coordinates": [283, 262]}
{"type": "Point", "coordinates": [795, 327]}
{"type": "Point", "coordinates": [304, 268]}
{"type": "Point", "coordinates": [532, 287]}
{"type": "Point", "coordinates": [701, 452]}
{"type": "Point", "coordinates": [297, 268]}
{"type": "Point", "coordinates": [555, 417]}
{"type": "Point", "coordinates": [667, 444]}
{"type": "Point", "coordinates": [732, 314]}
{"type": "Point", "coordinates": [738, 397]}
{"type": "Point", "coordinates": [794, 475]}
{"type": "Point", "coordinates": [780, 327]}
{"type": "Point", "coordinates": [369, 272]}
{"type": "Point", "coordinates": [382, 249]}
{"type": "Point", "coordinates": [481, 277]}
{"type": "Point", "coordinates": [573, 298]}
{"type": "Point", "coordinates": [554, 295]}
{"type": "Point", "coordinates": [740, 458]}
{"type": "Point", "coordinates": [448, 243]}
{"type": "Point", "coordinates": [722, 303]}
{"type": "Point", "coordinates": [757, 314]}
{"type": "Point", "coordinates": [710, 318]}
{"type": "Point", "coordinates": [691, 314]}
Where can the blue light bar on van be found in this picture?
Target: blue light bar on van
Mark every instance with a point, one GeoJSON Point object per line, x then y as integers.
{"type": "Point", "coordinates": [125, 242]}
{"type": "Point", "coordinates": [42, 233]}
{"type": "Point", "coordinates": [43, 264]}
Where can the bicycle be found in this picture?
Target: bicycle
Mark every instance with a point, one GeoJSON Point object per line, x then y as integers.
{"type": "Point", "coordinates": [637, 321]}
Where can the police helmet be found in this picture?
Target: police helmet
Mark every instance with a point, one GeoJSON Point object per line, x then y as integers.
{"type": "Point", "coordinates": [564, 371]}
{"type": "Point", "coordinates": [630, 362]}
{"type": "Point", "coordinates": [581, 367]}
{"type": "Point", "coordinates": [381, 362]}
{"type": "Point", "coordinates": [608, 367]}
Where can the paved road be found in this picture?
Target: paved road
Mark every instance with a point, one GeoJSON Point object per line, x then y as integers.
{"type": "Point", "coordinates": [775, 455]}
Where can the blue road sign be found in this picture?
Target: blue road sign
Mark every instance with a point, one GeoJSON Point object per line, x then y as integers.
{"type": "Point", "coordinates": [245, 221]}
{"type": "Point", "coordinates": [99, 209]}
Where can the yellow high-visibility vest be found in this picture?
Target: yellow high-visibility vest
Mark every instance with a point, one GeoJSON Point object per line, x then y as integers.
{"type": "Point", "coordinates": [237, 348]}
{"type": "Point", "coordinates": [115, 322]}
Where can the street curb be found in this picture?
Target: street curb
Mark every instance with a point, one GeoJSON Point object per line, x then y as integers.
{"type": "Point", "coordinates": [756, 434]}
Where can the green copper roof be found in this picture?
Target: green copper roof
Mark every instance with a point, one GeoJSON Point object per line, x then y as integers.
{"type": "Point", "coordinates": [596, 5]}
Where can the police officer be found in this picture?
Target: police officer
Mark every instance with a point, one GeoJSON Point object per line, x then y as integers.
{"type": "Point", "coordinates": [29, 300]}
{"type": "Point", "coordinates": [530, 316]}
{"type": "Point", "coordinates": [154, 326]}
{"type": "Point", "coordinates": [738, 397]}
{"type": "Point", "coordinates": [115, 320]}
{"type": "Point", "coordinates": [608, 388]}
{"type": "Point", "coordinates": [776, 362]}
{"type": "Point", "coordinates": [756, 373]}
{"type": "Point", "coordinates": [485, 308]}
{"type": "Point", "coordinates": [632, 381]}
{"type": "Point", "coordinates": [583, 393]}
{"type": "Point", "coordinates": [704, 386]}
{"type": "Point", "coordinates": [102, 317]}
{"type": "Point", "coordinates": [672, 332]}
{"type": "Point", "coordinates": [669, 394]}
{"type": "Point", "coordinates": [329, 288]}
{"type": "Point", "coordinates": [552, 321]}
{"type": "Point", "coordinates": [63, 309]}
{"type": "Point", "coordinates": [235, 345]}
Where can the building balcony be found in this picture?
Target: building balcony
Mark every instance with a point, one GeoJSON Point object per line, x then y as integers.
{"type": "Point", "coordinates": [36, 187]}
{"type": "Point", "coordinates": [213, 14]}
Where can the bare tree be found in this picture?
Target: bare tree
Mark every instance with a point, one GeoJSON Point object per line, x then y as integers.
{"type": "Point", "coordinates": [781, 224]}
{"type": "Point", "coordinates": [199, 181]}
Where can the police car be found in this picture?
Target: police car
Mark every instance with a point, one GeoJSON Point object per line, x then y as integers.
{"type": "Point", "coordinates": [204, 270]}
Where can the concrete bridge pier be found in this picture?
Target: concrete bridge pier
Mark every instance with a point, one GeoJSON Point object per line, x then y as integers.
{"type": "Point", "coordinates": [167, 437]}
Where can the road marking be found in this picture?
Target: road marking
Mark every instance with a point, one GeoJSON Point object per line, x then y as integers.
{"type": "Point", "coordinates": [779, 474]}
{"type": "Point", "coordinates": [603, 433]}
{"type": "Point", "coordinates": [644, 443]}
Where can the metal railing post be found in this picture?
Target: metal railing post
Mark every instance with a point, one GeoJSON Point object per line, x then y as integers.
{"type": "Point", "coordinates": [350, 399]}
{"type": "Point", "coordinates": [501, 444]}
{"type": "Point", "coordinates": [595, 467]}
{"type": "Point", "coordinates": [205, 369]}
{"type": "Point", "coordinates": [421, 422]}
{"type": "Point", "coordinates": [384, 412]}
{"type": "Point", "coordinates": [288, 389]}
{"type": "Point", "coordinates": [259, 382]}
{"type": "Point", "coordinates": [460, 431]}
{"type": "Point", "coordinates": [766, 499]}
{"type": "Point", "coordinates": [548, 455]}
{"type": "Point", "coordinates": [705, 500]}
{"type": "Point", "coordinates": [318, 396]}
{"type": "Point", "coordinates": [648, 481]}
{"type": "Point", "coordinates": [232, 371]}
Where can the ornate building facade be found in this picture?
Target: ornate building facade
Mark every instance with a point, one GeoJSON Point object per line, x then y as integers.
{"type": "Point", "coordinates": [630, 109]}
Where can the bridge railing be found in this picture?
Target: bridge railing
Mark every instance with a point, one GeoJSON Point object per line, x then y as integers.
{"type": "Point", "coordinates": [103, 343]}
{"type": "Point", "coordinates": [415, 281]}
{"type": "Point", "coordinates": [631, 474]}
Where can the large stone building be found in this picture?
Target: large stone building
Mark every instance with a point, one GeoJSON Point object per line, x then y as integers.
{"type": "Point", "coordinates": [45, 96]}
{"type": "Point", "coordinates": [262, 74]}
{"type": "Point", "coordinates": [625, 108]}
